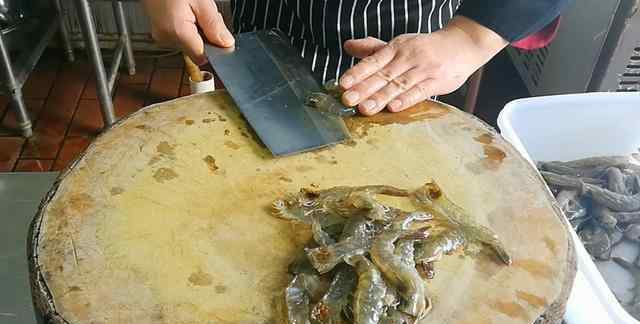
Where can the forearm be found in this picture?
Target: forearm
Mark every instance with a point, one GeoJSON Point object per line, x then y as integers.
{"type": "Point", "coordinates": [513, 19]}
{"type": "Point", "coordinates": [487, 43]}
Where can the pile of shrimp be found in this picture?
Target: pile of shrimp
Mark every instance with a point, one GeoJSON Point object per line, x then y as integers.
{"type": "Point", "coordinates": [600, 197]}
{"type": "Point", "coordinates": [367, 262]}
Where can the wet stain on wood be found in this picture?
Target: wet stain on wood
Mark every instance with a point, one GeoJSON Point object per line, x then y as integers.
{"type": "Point", "coordinates": [164, 174]}
{"type": "Point", "coordinates": [80, 202]}
{"type": "Point", "coordinates": [531, 299]}
{"type": "Point", "coordinates": [484, 138]}
{"type": "Point", "coordinates": [303, 168]}
{"type": "Point", "coordinates": [200, 278]}
{"type": "Point", "coordinates": [325, 159]}
{"type": "Point", "coordinates": [165, 148]}
{"type": "Point", "coordinates": [510, 309]}
{"type": "Point", "coordinates": [494, 154]}
{"type": "Point", "coordinates": [220, 289]}
{"type": "Point", "coordinates": [231, 145]}
{"type": "Point", "coordinates": [493, 157]}
{"type": "Point", "coordinates": [350, 142]}
{"type": "Point", "coordinates": [211, 163]}
{"type": "Point", "coordinates": [551, 245]}
{"type": "Point", "coordinates": [285, 179]}
{"type": "Point", "coordinates": [189, 122]}
{"type": "Point", "coordinates": [154, 159]}
{"type": "Point", "coordinates": [360, 125]}
{"type": "Point", "coordinates": [116, 191]}
{"type": "Point", "coordinates": [74, 288]}
{"type": "Point", "coordinates": [534, 268]}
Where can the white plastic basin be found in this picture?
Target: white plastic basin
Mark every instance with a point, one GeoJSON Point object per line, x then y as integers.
{"type": "Point", "coordinates": [569, 127]}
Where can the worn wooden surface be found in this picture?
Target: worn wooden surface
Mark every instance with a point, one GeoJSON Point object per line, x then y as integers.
{"type": "Point", "coordinates": [164, 219]}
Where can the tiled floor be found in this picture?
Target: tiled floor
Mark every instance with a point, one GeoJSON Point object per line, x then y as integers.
{"type": "Point", "coordinates": [62, 102]}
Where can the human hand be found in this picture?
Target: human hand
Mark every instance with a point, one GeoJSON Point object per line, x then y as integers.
{"type": "Point", "coordinates": [414, 67]}
{"type": "Point", "coordinates": [174, 23]}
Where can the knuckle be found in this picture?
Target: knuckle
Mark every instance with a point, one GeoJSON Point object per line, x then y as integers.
{"type": "Point", "coordinates": [371, 60]}
{"type": "Point", "coordinates": [402, 82]}
{"type": "Point", "coordinates": [420, 93]}
{"type": "Point", "coordinates": [385, 75]}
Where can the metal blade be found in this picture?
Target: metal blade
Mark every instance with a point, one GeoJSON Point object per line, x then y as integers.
{"type": "Point", "coordinates": [269, 81]}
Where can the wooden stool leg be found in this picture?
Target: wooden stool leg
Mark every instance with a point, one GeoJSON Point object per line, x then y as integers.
{"type": "Point", "coordinates": [472, 93]}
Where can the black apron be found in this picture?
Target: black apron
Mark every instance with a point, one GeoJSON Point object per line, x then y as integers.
{"type": "Point", "coordinates": [319, 28]}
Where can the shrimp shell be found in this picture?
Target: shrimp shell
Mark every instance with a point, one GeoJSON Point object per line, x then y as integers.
{"type": "Point", "coordinates": [368, 299]}
{"type": "Point", "coordinates": [355, 239]}
{"type": "Point", "coordinates": [297, 302]}
{"type": "Point", "coordinates": [431, 198]}
{"type": "Point", "coordinates": [328, 309]}
{"type": "Point", "coordinates": [615, 201]}
{"type": "Point", "coordinates": [399, 274]}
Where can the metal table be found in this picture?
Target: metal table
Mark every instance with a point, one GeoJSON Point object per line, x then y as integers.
{"type": "Point", "coordinates": [35, 34]}
{"type": "Point", "coordinates": [20, 195]}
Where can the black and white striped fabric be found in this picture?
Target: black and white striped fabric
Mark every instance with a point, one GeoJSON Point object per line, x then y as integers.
{"type": "Point", "coordinates": [319, 28]}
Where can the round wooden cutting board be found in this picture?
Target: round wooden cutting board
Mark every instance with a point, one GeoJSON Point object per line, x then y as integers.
{"type": "Point", "coordinates": [165, 219]}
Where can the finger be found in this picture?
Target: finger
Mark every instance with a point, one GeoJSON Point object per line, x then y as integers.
{"type": "Point", "coordinates": [191, 42]}
{"type": "Point", "coordinates": [398, 86]}
{"type": "Point", "coordinates": [361, 48]}
{"type": "Point", "coordinates": [420, 92]}
{"type": "Point", "coordinates": [212, 24]}
{"type": "Point", "coordinates": [362, 92]}
{"type": "Point", "coordinates": [368, 66]}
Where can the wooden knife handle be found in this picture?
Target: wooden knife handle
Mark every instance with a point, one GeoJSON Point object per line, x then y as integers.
{"type": "Point", "coordinates": [192, 69]}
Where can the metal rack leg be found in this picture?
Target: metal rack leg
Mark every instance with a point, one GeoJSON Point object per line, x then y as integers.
{"type": "Point", "coordinates": [118, 11]}
{"type": "Point", "coordinates": [93, 49]}
{"type": "Point", "coordinates": [24, 122]}
{"type": "Point", "coordinates": [64, 33]}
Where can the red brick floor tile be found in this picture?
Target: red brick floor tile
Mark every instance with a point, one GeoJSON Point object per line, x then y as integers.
{"type": "Point", "coordinates": [41, 146]}
{"type": "Point", "coordinates": [58, 111]}
{"type": "Point", "coordinates": [173, 61]}
{"type": "Point", "coordinates": [71, 149]}
{"type": "Point", "coordinates": [165, 85]}
{"type": "Point", "coordinates": [87, 120]}
{"type": "Point", "coordinates": [39, 84]}
{"type": "Point", "coordinates": [10, 148]}
{"type": "Point", "coordinates": [9, 123]}
{"type": "Point", "coordinates": [90, 91]}
{"type": "Point", "coordinates": [129, 98]}
{"type": "Point", "coordinates": [33, 165]}
{"type": "Point", "coordinates": [144, 69]}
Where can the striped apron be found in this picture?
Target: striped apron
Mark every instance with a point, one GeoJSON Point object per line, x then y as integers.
{"type": "Point", "coordinates": [319, 28]}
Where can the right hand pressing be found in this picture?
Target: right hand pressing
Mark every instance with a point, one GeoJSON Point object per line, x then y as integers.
{"type": "Point", "coordinates": [174, 23]}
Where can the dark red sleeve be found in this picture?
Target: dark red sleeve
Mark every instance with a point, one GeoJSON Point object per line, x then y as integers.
{"type": "Point", "coordinates": [539, 39]}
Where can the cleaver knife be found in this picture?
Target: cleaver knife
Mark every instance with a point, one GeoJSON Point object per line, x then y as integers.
{"type": "Point", "coordinates": [269, 82]}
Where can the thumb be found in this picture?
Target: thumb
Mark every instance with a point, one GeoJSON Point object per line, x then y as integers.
{"type": "Point", "coordinates": [361, 48]}
{"type": "Point", "coordinates": [212, 23]}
